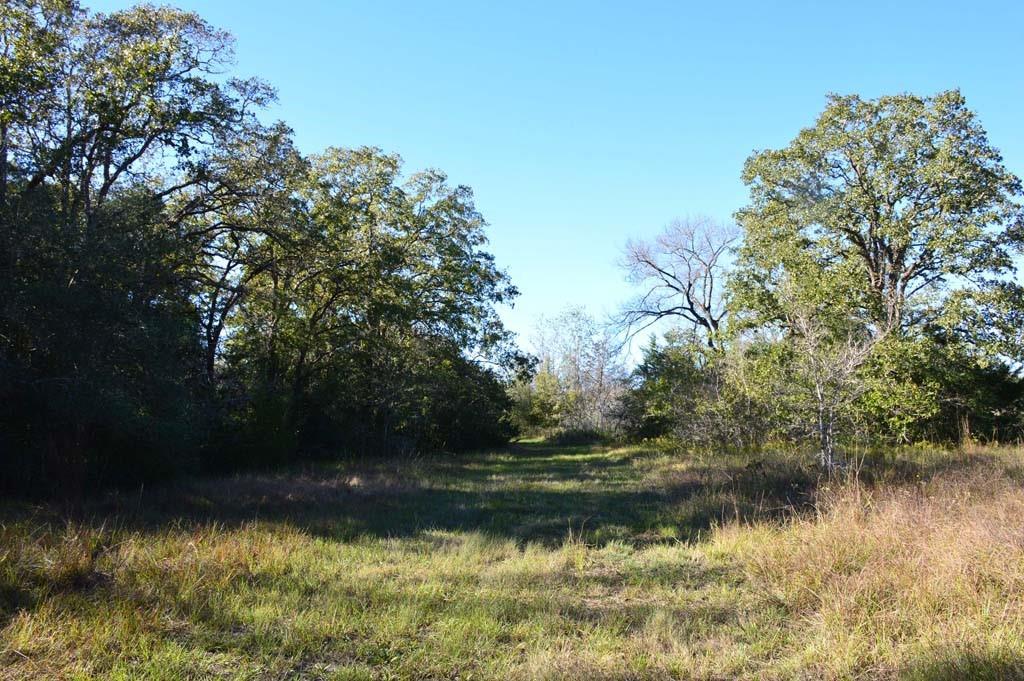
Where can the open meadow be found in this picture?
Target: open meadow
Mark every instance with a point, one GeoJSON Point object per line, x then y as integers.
{"type": "Point", "coordinates": [530, 563]}
{"type": "Point", "coordinates": [512, 341]}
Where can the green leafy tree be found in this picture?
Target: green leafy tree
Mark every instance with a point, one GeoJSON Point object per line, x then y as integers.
{"type": "Point", "coordinates": [902, 198]}
{"type": "Point", "coordinates": [343, 325]}
{"type": "Point", "coordinates": [181, 287]}
{"type": "Point", "coordinates": [108, 123]}
{"type": "Point", "coordinates": [891, 219]}
{"type": "Point", "coordinates": [665, 390]}
{"type": "Point", "coordinates": [536, 402]}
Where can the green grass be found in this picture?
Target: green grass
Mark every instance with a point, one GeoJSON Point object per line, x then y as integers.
{"type": "Point", "coordinates": [536, 562]}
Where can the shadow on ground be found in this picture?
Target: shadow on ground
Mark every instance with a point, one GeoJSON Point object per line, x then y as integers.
{"type": "Point", "coordinates": [956, 666]}
{"type": "Point", "coordinates": [528, 492]}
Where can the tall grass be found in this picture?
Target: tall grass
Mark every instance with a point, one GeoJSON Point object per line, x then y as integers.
{"type": "Point", "coordinates": [541, 563]}
{"type": "Point", "coordinates": [908, 581]}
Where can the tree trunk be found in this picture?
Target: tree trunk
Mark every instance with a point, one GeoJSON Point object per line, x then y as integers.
{"type": "Point", "coordinates": [3, 167]}
{"type": "Point", "coordinates": [826, 435]}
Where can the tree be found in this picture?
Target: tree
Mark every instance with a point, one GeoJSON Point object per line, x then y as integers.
{"type": "Point", "coordinates": [31, 36]}
{"type": "Point", "coordinates": [182, 288]}
{"type": "Point", "coordinates": [584, 361]}
{"type": "Point", "coordinates": [383, 297]}
{"type": "Point", "coordinates": [667, 390]}
{"type": "Point", "coordinates": [902, 197]}
{"type": "Point", "coordinates": [682, 271]}
{"type": "Point", "coordinates": [107, 131]}
{"type": "Point", "coordinates": [240, 218]}
{"type": "Point", "coordinates": [824, 373]}
{"type": "Point", "coordinates": [535, 402]}
{"type": "Point", "coordinates": [889, 220]}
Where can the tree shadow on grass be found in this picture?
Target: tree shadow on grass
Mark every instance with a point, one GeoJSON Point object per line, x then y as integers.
{"type": "Point", "coordinates": [551, 598]}
{"type": "Point", "coordinates": [960, 665]}
{"type": "Point", "coordinates": [528, 493]}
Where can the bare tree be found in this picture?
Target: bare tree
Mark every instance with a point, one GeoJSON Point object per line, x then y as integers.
{"type": "Point", "coordinates": [682, 272]}
{"type": "Point", "coordinates": [826, 369]}
{"type": "Point", "coordinates": [581, 355]}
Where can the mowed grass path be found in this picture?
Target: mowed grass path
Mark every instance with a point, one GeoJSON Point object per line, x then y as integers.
{"type": "Point", "coordinates": [535, 562]}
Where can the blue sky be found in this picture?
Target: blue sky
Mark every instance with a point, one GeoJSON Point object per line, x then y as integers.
{"type": "Point", "coordinates": [580, 124]}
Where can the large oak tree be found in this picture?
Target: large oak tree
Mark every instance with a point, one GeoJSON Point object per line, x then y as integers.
{"type": "Point", "coordinates": [899, 204]}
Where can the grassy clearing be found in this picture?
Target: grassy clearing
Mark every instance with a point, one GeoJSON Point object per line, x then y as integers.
{"type": "Point", "coordinates": [538, 562]}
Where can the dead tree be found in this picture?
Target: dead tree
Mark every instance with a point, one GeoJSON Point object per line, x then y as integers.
{"type": "Point", "coordinates": [827, 367]}
{"type": "Point", "coordinates": [682, 273]}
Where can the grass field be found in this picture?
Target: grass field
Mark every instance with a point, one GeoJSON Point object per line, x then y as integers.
{"type": "Point", "coordinates": [532, 563]}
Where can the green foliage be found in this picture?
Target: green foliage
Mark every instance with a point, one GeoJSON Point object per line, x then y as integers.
{"type": "Point", "coordinates": [97, 323]}
{"type": "Point", "coordinates": [902, 391]}
{"type": "Point", "coordinates": [536, 403]}
{"type": "Point", "coordinates": [923, 389]}
{"type": "Point", "coordinates": [873, 296]}
{"type": "Point", "coordinates": [712, 397]}
{"type": "Point", "coordinates": [886, 205]}
{"type": "Point", "coordinates": [878, 255]}
{"type": "Point", "coordinates": [579, 381]}
{"type": "Point", "coordinates": [363, 318]}
{"type": "Point", "coordinates": [666, 386]}
{"type": "Point", "coordinates": [182, 288]}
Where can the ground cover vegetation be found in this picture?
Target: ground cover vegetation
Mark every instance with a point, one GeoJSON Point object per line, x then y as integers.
{"type": "Point", "coordinates": [535, 562]}
{"type": "Point", "coordinates": [261, 418]}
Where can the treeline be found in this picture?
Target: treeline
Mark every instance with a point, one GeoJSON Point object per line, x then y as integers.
{"type": "Point", "coordinates": [867, 295]}
{"type": "Point", "coordinates": [182, 289]}
{"type": "Point", "coordinates": [577, 382]}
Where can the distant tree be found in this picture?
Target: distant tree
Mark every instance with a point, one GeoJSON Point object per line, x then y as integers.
{"type": "Point", "coordinates": [536, 402]}
{"type": "Point", "coordinates": [682, 272]}
{"type": "Point", "coordinates": [585, 360]}
{"type": "Point", "coordinates": [665, 390]}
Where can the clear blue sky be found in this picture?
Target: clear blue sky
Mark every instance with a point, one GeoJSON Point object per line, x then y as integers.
{"type": "Point", "coordinates": [580, 124]}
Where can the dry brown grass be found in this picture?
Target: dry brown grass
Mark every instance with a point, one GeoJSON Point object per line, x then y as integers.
{"type": "Point", "coordinates": [910, 581]}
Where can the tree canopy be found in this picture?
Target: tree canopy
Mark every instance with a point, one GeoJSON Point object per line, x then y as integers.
{"type": "Point", "coordinates": [901, 205]}
{"type": "Point", "coordinates": [184, 288]}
